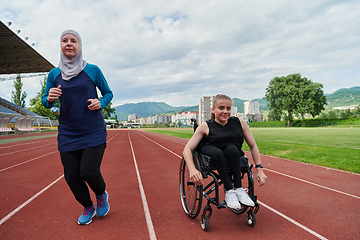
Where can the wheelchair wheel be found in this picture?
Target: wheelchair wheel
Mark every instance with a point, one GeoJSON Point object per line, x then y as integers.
{"type": "Point", "coordinates": [251, 218]}
{"type": "Point", "coordinates": [191, 194]}
{"type": "Point", "coordinates": [205, 222]}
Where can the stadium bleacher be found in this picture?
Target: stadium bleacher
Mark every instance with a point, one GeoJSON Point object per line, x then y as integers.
{"type": "Point", "coordinates": [15, 119]}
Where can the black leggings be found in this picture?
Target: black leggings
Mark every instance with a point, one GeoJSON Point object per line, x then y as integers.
{"type": "Point", "coordinates": [82, 166]}
{"type": "Point", "coordinates": [230, 156]}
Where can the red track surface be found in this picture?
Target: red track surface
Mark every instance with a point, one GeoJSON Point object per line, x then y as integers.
{"type": "Point", "coordinates": [299, 201]}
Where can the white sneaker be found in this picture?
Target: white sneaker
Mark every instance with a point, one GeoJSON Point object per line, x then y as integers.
{"type": "Point", "coordinates": [243, 197]}
{"type": "Point", "coordinates": [231, 199]}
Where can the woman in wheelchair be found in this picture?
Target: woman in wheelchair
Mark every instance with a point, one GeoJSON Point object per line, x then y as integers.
{"type": "Point", "coordinates": [221, 138]}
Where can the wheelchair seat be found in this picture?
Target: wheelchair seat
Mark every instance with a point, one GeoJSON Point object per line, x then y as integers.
{"type": "Point", "coordinates": [207, 164]}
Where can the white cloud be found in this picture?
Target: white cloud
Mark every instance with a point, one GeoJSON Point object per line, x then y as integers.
{"type": "Point", "coordinates": [179, 51]}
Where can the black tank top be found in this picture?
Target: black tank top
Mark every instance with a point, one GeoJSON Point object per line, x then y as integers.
{"type": "Point", "coordinates": [222, 136]}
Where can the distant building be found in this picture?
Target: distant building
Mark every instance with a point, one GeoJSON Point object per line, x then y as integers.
{"type": "Point", "coordinates": [243, 116]}
{"type": "Point", "coordinates": [254, 116]}
{"type": "Point", "coordinates": [184, 117]}
{"type": "Point", "coordinates": [251, 107]}
{"type": "Point", "coordinates": [205, 104]}
{"type": "Point", "coordinates": [234, 111]}
{"type": "Point", "coordinates": [352, 107]}
{"type": "Point", "coordinates": [110, 123]}
{"type": "Point", "coordinates": [252, 111]}
{"type": "Point", "coordinates": [162, 119]}
{"type": "Point", "coordinates": [142, 121]}
{"type": "Point", "coordinates": [133, 117]}
{"type": "Point", "coordinates": [148, 120]}
{"type": "Point", "coordinates": [157, 119]}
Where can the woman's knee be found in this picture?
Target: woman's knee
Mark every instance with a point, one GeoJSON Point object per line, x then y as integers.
{"type": "Point", "coordinates": [72, 178]}
{"type": "Point", "coordinates": [232, 152]}
{"type": "Point", "coordinates": [215, 153]}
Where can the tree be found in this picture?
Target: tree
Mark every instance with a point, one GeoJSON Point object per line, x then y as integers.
{"type": "Point", "coordinates": [39, 109]}
{"type": "Point", "coordinates": [293, 94]}
{"type": "Point", "coordinates": [331, 114]}
{"type": "Point", "coordinates": [312, 99]}
{"type": "Point", "coordinates": [108, 110]}
{"type": "Point", "coordinates": [356, 111]}
{"type": "Point", "coordinates": [274, 116]}
{"type": "Point", "coordinates": [345, 113]}
{"type": "Point", "coordinates": [39, 94]}
{"type": "Point", "coordinates": [17, 96]}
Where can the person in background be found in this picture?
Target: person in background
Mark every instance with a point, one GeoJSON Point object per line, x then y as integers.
{"type": "Point", "coordinates": [222, 138]}
{"type": "Point", "coordinates": [82, 129]}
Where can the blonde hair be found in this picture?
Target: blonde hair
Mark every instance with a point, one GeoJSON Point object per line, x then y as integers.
{"type": "Point", "coordinates": [217, 97]}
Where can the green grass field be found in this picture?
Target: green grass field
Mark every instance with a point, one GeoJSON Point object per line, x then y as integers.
{"type": "Point", "coordinates": [331, 147]}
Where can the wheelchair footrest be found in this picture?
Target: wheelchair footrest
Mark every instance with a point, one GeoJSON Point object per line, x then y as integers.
{"type": "Point", "coordinates": [222, 205]}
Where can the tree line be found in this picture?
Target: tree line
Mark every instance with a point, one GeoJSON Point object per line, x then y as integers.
{"type": "Point", "coordinates": [337, 113]}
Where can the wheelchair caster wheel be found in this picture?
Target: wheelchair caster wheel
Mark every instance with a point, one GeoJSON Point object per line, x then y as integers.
{"type": "Point", "coordinates": [205, 222]}
{"type": "Point", "coordinates": [251, 218]}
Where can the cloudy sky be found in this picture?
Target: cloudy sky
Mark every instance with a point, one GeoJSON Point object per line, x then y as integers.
{"type": "Point", "coordinates": [178, 51]}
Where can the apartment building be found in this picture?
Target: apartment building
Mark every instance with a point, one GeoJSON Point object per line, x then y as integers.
{"type": "Point", "coordinates": [205, 104]}
{"type": "Point", "coordinates": [252, 111]}
{"type": "Point", "coordinates": [184, 117]}
{"type": "Point", "coordinates": [234, 111]}
{"type": "Point", "coordinates": [251, 107]}
{"type": "Point", "coordinates": [133, 117]}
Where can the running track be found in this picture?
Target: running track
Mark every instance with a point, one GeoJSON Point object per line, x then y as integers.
{"type": "Point", "coordinates": [299, 201]}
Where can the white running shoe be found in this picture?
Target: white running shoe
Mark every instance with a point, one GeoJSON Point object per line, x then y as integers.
{"type": "Point", "coordinates": [243, 197]}
{"type": "Point", "coordinates": [231, 199]}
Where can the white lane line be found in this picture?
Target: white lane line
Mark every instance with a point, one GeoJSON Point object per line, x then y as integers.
{"type": "Point", "coordinates": [28, 201]}
{"type": "Point", "coordinates": [160, 145]}
{"type": "Point", "coordinates": [26, 143]}
{"type": "Point", "coordinates": [302, 180]}
{"type": "Point", "coordinates": [26, 161]}
{"type": "Point", "coordinates": [25, 149]}
{"type": "Point", "coordinates": [112, 138]}
{"type": "Point", "coordinates": [167, 137]}
{"type": "Point", "coordinates": [41, 157]}
{"type": "Point", "coordinates": [275, 211]}
{"type": "Point", "coordinates": [293, 221]}
{"type": "Point", "coordinates": [143, 197]}
{"type": "Point", "coordinates": [311, 164]}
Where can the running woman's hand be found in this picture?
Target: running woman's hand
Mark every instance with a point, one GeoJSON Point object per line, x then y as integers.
{"type": "Point", "coordinates": [54, 93]}
{"type": "Point", "coordinates": [94, 104]}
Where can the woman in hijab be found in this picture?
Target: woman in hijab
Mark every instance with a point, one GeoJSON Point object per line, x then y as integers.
{"type": "Point", "coordinates": [82, 130]}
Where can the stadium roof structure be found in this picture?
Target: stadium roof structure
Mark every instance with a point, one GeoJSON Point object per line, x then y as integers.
{"type": "Point", "coordinates": [16, 56]}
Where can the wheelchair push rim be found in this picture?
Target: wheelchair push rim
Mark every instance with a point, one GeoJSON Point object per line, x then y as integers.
{"type": "Point", "coordinates": [190, 194]}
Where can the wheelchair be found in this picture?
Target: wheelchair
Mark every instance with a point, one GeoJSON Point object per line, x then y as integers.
{"type": "Point", "coordinates": [191, 195]}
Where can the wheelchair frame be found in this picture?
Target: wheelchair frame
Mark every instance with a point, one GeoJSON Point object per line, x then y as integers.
{"type": "Point", "coordinates": [192, 195]}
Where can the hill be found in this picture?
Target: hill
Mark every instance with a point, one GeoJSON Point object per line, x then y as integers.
{"type": "Point", "coordinates": [143, 109]}
{"type": "Point", "coordinates": [341, 97]}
